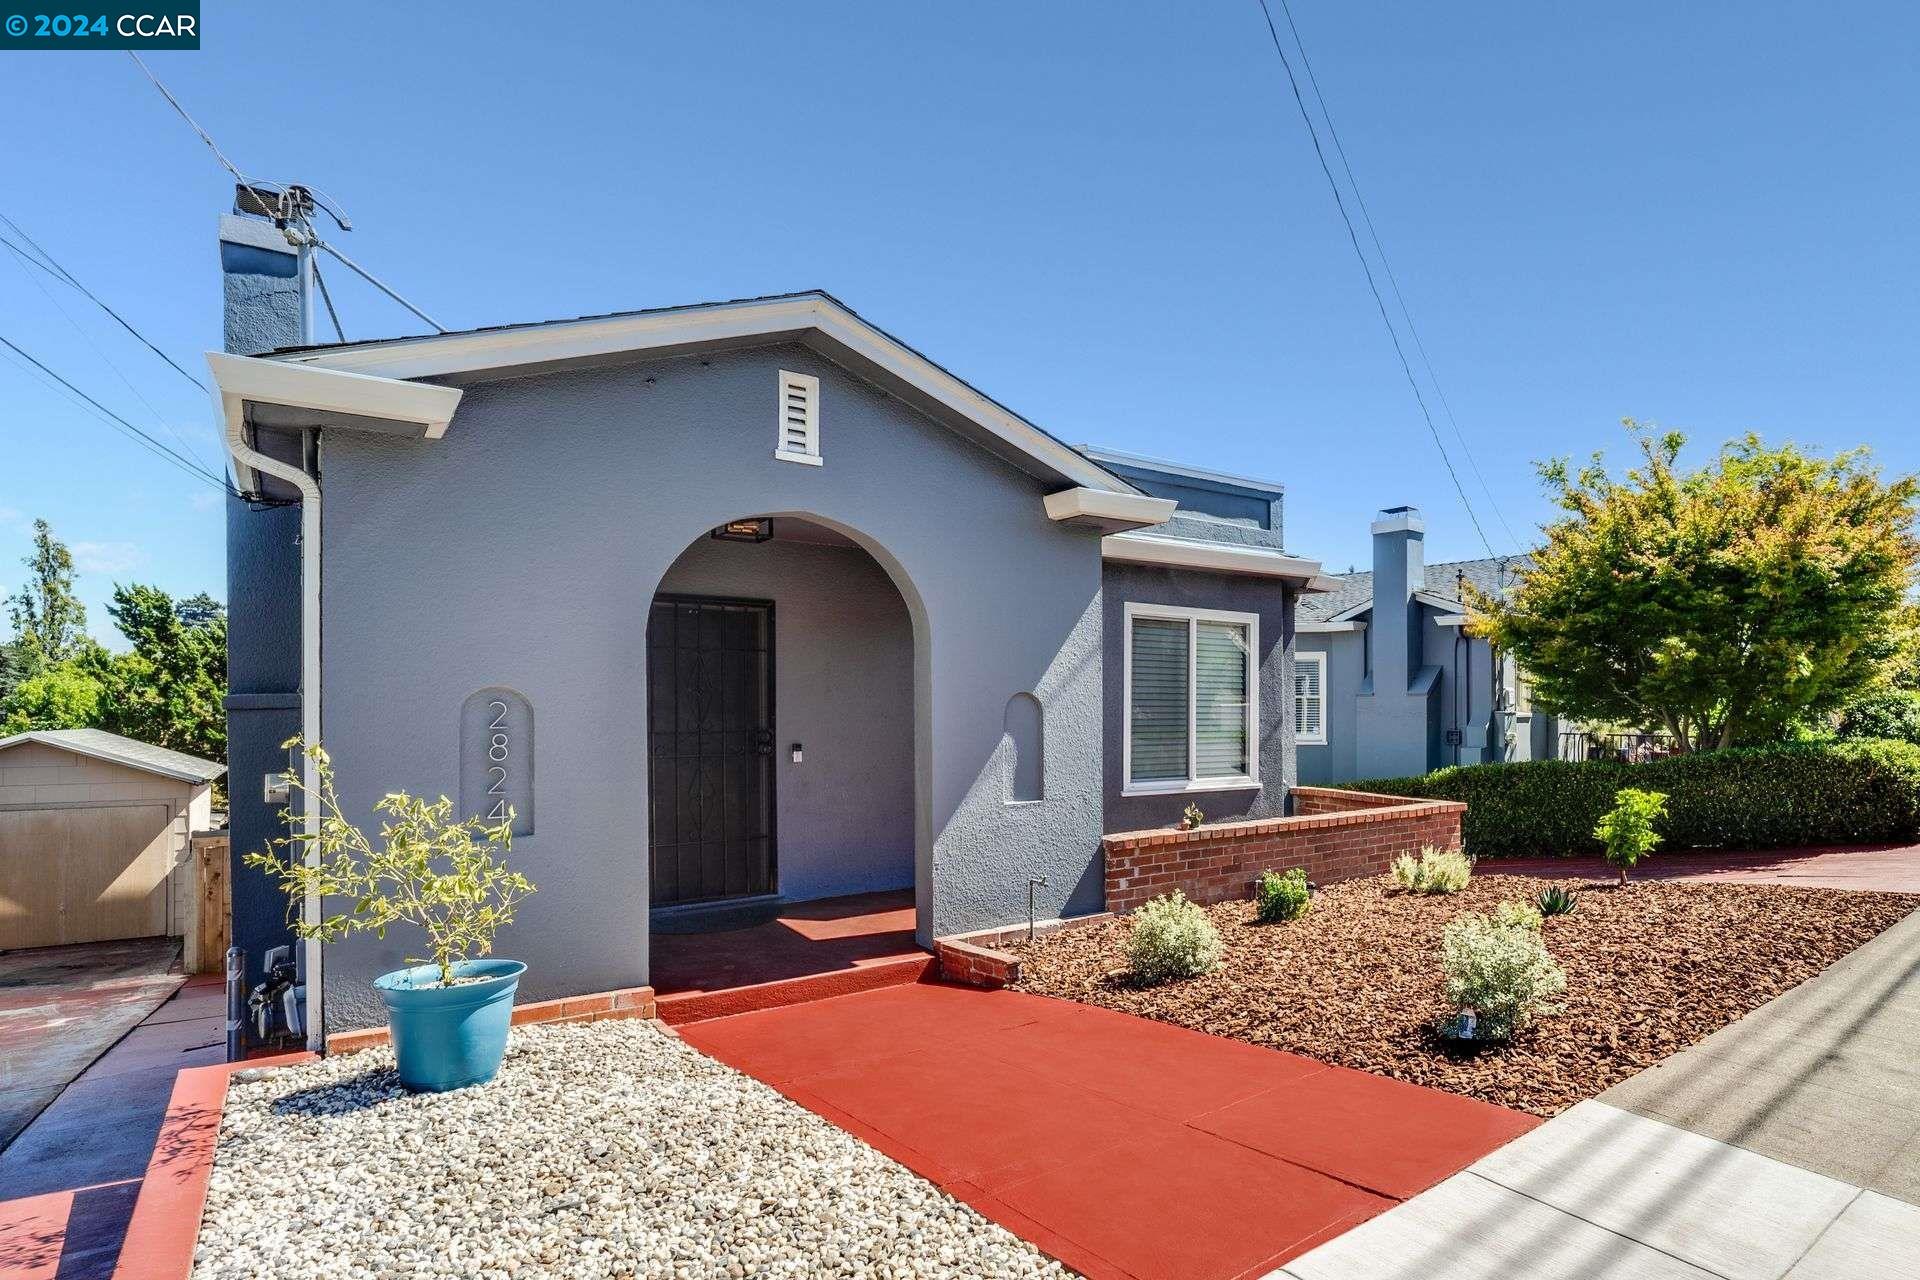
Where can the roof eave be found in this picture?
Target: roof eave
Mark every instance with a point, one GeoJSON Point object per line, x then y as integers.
{"type": "Point", "coordinates": [842, 336]}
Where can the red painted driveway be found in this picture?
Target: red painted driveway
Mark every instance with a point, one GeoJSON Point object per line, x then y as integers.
{"type": "Point", "coordinates": [1123, 1147]}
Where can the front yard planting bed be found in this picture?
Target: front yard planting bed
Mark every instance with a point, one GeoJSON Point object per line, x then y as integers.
{"type": "Point", "coordinates": [604, 1149]}
{"type": "Point", "coordinates": [1650, 969]}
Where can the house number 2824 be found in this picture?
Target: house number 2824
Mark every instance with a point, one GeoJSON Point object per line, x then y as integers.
{"type": "Point", "coordinates": [498, 749]}
{"type": "Point", "coordinates": [496, 758]}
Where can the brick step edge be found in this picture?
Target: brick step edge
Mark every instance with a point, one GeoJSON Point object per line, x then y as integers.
{"type": "Point", "coordinates": [681, 1008]}
{"type": "Point", "coordinates": [603, 1006]}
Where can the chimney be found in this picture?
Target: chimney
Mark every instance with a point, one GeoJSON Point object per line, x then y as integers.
{"type": "Point", "coordinates": [264, 273]}
{"type": "Point", "coordinates": [1399, 570]}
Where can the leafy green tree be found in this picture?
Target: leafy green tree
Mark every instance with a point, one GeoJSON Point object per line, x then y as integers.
{"type": "Point", "coordinates": [49, 622]}
{"type": "Point", "coordinates": [65, 696]}
{"type": "Point", "coordinates": [170, 689]}
{"type": "Point", "coordinates": [1885, 713]}
{"type": "Point", "coordinates": [1723, 605]}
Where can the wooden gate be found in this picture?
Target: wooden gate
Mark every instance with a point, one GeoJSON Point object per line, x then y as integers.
{"type": "Point", "coordinates": [83, 874]}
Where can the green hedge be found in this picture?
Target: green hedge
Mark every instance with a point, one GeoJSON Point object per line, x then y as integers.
{"type": "Point", "coordinates": [1759, 798]}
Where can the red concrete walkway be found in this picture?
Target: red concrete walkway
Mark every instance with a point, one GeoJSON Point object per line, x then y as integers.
{"type": "Point", "coordinates": [1126, 1148]}
{"type": "Point", "coordinates": [1881, 867]}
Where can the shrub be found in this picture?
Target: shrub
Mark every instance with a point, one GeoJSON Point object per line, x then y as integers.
{"type": "Point", "coordinates": [1172, 938]}
{"type": "Point", "coordinates": [1436, 871]}
{"type": "Point", "coordinates": [428, 871]}
{"type": "Point", "coordinates": [1504, 976]}
{"type": "Point", "coordinates": [1281, 897]}
{"type": "Point", "coordinates": [1627, 828]}
{"type": "Point", "coordinates": [1557, 901]}
{"type": "Point", "coordinates": [1890, 713]}
{"type": "Point", "coordinates": [1758, 798]}
{"type": "Point", "coordinates": [1518, 915]}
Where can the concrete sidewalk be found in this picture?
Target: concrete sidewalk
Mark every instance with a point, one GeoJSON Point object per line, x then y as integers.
{"type": "Point", "coordinates": [1787, 1144]}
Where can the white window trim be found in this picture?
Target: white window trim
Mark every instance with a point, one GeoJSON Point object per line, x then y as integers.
{"type": "Point", "coordinates": [1316, 739]}
{"type": "Point", "coordinates": [811, 455]}
{"type": "Point", "coordinates": [1243, 782]}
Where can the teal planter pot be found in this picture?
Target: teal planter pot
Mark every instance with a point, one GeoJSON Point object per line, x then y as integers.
{"type": "Point", "coordinates": [450, 1037]}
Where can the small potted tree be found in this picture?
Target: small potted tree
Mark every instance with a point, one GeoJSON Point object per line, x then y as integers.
{"type": "Point", "coordinates": [449, 1011]}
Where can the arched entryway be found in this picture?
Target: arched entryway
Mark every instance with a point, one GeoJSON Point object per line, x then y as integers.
{"type": "Point", "coordinates": [784, 758]}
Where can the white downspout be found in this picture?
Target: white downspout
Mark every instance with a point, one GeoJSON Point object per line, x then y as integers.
{"type": "Point", "coordinates": [233, 414]}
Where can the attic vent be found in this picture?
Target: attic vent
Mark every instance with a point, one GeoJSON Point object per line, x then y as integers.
{"type": "Point", "coordinates": [799, 439]}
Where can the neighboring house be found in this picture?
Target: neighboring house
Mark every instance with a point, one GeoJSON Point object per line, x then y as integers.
{"type": "Point", "coordinates": [95, 834]}
{"type": "Point", "coordinates": [732, 600]}
{"type": "Point", "coordinates": [1388, 682]}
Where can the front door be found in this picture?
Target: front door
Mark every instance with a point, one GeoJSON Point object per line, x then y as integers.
{"type": "Point", "coordinates": [710, 746]}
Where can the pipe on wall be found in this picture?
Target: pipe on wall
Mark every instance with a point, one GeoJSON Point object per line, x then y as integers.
{"type": "Point", "coordinates": [233, 413]}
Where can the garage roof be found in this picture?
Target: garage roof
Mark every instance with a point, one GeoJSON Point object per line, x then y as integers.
{"type": "Point", "coordinates": [115, 749]}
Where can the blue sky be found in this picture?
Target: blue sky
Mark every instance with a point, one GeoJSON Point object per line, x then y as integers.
{"type": "Point", "coordinates": [1108, 216]}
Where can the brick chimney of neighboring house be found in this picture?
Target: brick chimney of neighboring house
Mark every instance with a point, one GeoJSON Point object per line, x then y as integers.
{"type": "Point", "coordinates": [1399, 570]}
{"type": "Point", "coordinates": [265, 307]}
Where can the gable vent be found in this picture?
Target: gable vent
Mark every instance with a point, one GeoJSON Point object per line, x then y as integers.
{"type": "Point", "coordinates": [799, 438]}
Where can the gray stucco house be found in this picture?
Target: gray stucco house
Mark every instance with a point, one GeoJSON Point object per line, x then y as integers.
{"type": "Point", "coordinates": [731, 600]}
{"type": "Point", "coordinates": [1389, 682]}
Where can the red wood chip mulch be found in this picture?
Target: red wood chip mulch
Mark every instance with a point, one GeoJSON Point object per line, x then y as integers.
{"type": "Point", "coordinates": [1650, 970]}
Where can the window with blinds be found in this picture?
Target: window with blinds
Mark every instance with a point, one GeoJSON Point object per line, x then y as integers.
{"type": "Point", "coordinates": [1190, 699]}
{"type": "Point", "coordinates": [1310, 698]}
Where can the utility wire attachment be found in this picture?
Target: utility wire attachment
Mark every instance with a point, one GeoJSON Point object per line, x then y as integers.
{"type": "Point", "coordinates": [377, 283]}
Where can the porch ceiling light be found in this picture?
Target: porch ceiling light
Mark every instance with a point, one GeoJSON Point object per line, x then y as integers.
{"type": "Point", "coordinates": [758, 529]}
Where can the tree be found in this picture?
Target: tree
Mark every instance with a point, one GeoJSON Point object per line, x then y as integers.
{"type": "Point", "coordinates": [59, 697]}
{"type": "Point", "coordinates": [49, 622]}
{"type": "Point", "coordinates": [170, 689]}
{"type": "Point", "coordinates": [1723, 605]}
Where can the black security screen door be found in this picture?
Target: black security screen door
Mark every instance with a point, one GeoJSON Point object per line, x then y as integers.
{"type": "Point", "coordinates": [710, 745]}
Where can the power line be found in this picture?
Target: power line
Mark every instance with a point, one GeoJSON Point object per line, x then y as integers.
{"type": "Point", "coordinates": [193, 124]}
{"type": "Point", "coordinates": [1372, 285]}
{"type": "Point", "coordinates": [327, 297]}
{"type": "Point", "coordinates": [121, 423]}
{"type": "Point", "coordinates": [22, 259]}
{"type": "Point", "coordinates": [59, 272]}
{"type": "Point", "coordinates": [1366, 215]}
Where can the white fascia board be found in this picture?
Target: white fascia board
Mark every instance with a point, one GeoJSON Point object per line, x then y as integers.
{"type": "Point", "coordinates": [1432, 601]}
{"type": "Point", "coordinates": [1327, 628]}
{"type": "Point", "coordinates": [334, 391]}
{"type": "Point", "coordinates": [1108, 509]}
{"type": "Point", "coordinates": [1261, 562]}
{"type": "Point", "coordinates": [239, 380]}
{"type": "Point", "coordinates": [1452, 620]}
{"type": "Point", "coordinates": [445, 355]}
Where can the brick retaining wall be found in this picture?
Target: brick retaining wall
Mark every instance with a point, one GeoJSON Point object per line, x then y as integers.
{"type": "Point", "coordinates": [975, 966]}
{"type": "Point", "coordinates": [1335, 835]}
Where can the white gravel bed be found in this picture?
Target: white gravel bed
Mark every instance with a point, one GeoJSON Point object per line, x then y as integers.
{"type": "Point", "coordinates": [602, 1149]}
